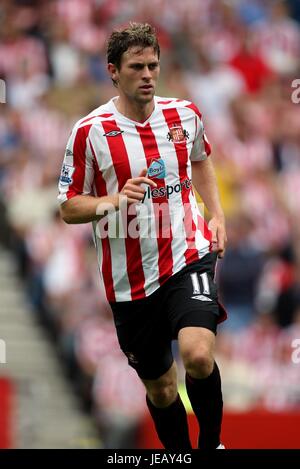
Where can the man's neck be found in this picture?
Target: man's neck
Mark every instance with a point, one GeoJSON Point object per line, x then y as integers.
{"type": "Point", "coordinates": [138, 112]}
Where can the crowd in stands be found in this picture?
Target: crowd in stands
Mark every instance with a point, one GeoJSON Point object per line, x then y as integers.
{"type": "Point", "coordinates": [238, 62]}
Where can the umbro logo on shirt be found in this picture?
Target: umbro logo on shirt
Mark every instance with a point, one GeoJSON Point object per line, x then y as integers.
{"type": "Point", "coordinates": [69, 152]}
{"type": "Point", "coordinates": [113, 133]}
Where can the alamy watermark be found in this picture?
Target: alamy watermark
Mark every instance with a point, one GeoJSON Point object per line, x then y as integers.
{"type": "Point", "coordinates": [296, 93]}
{"type": "Point", "coordinates": [2, 91]}
{"type": "Point", "coordinates": [296, 352]}
{"type": "Point", "coordinates": [2, 351]}
{"type": "Point", "coordinates": [144, 221]}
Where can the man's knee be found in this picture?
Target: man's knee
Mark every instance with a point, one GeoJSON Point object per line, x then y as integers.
{"type": "Point", "coordinates": [199, 363]}
{"type": "Point", "coordinates": [163, 393]}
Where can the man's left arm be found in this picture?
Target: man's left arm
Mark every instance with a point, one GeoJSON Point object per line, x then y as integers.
{"type": "Point", "coordinates": [205, 182]}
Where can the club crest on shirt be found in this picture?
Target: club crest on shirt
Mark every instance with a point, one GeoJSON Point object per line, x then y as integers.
{"type": "Point", "coordinates": [177, 134]}
{"type": "Point", "coordinates": [157, 169]}
{"type": "Point", "coordinates": [66, 174]}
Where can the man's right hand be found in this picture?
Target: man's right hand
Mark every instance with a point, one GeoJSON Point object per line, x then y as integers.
{"type": "Point", "coordinates": [133, 190]}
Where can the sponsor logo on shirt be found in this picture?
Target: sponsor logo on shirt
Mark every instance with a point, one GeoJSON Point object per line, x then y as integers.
{"type": "Point", "coordinates": [157, 169]}
{"type": "Point", "coordinates": [66, 174]}
{"type": "Point", "coordinates": [177, 134]}
{"type": "Point", "coordinates": [168, 190]}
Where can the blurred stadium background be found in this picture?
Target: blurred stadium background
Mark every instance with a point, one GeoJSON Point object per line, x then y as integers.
{"type": "Point", "coordinates": [65, 383]}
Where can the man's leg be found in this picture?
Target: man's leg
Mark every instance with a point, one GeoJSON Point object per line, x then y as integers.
{"type": "Point", "coordinates": [167, 410]}
{"type": "Point", "coordinates": [203, 382]}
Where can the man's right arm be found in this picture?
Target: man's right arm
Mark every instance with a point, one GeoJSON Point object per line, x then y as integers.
{"type": "Point", "coordinates": [86, 208]}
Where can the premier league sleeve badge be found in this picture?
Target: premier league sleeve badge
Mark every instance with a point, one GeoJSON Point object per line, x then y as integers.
{"type": "Point", "coordinates": [66, 174]}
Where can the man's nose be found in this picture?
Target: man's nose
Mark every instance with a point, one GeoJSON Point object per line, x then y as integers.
{"type": "Point", "coordinates": [147, 73]}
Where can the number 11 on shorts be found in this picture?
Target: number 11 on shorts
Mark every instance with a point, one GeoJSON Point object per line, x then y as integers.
{"type": "Point", "coordinates": [196, 283]}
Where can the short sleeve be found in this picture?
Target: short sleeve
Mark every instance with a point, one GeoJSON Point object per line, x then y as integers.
{"type": "Point", "coordinates": [201, 148]}
{"type": "Point", "coordinates": [77, 172]}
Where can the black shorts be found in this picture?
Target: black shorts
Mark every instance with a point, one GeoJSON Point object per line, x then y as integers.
{"type": "Point", "coordinates": [146, 327]}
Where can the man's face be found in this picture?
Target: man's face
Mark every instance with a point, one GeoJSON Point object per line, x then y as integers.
{"type": "Point", "coordinates": [138, 74]}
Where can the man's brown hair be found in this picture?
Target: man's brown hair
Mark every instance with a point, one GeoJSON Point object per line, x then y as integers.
{"type": "Point", "coordinates": [136, 34]}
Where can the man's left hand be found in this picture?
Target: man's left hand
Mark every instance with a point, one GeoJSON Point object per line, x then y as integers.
{"type": "Point", "coordinates": [219, 238]}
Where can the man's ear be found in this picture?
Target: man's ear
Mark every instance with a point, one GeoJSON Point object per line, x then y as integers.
{"type": "Point", "coordinates": [113, 72]}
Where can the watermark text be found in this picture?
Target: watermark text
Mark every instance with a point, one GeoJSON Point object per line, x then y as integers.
{"type": "Point", "coordinates": [2, 91]}
{"type": "Point", "coordinates": [149, 221]}
{"type": "Point", "coordinates": [2, 351]}
{"type": "Point", "coordinates": [296, 352]}
{"type": "Point", "coordinates": [296, 93]}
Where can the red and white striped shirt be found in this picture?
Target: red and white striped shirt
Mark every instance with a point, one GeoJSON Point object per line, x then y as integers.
{"type": "Point", "coordinates": [163, 233]}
